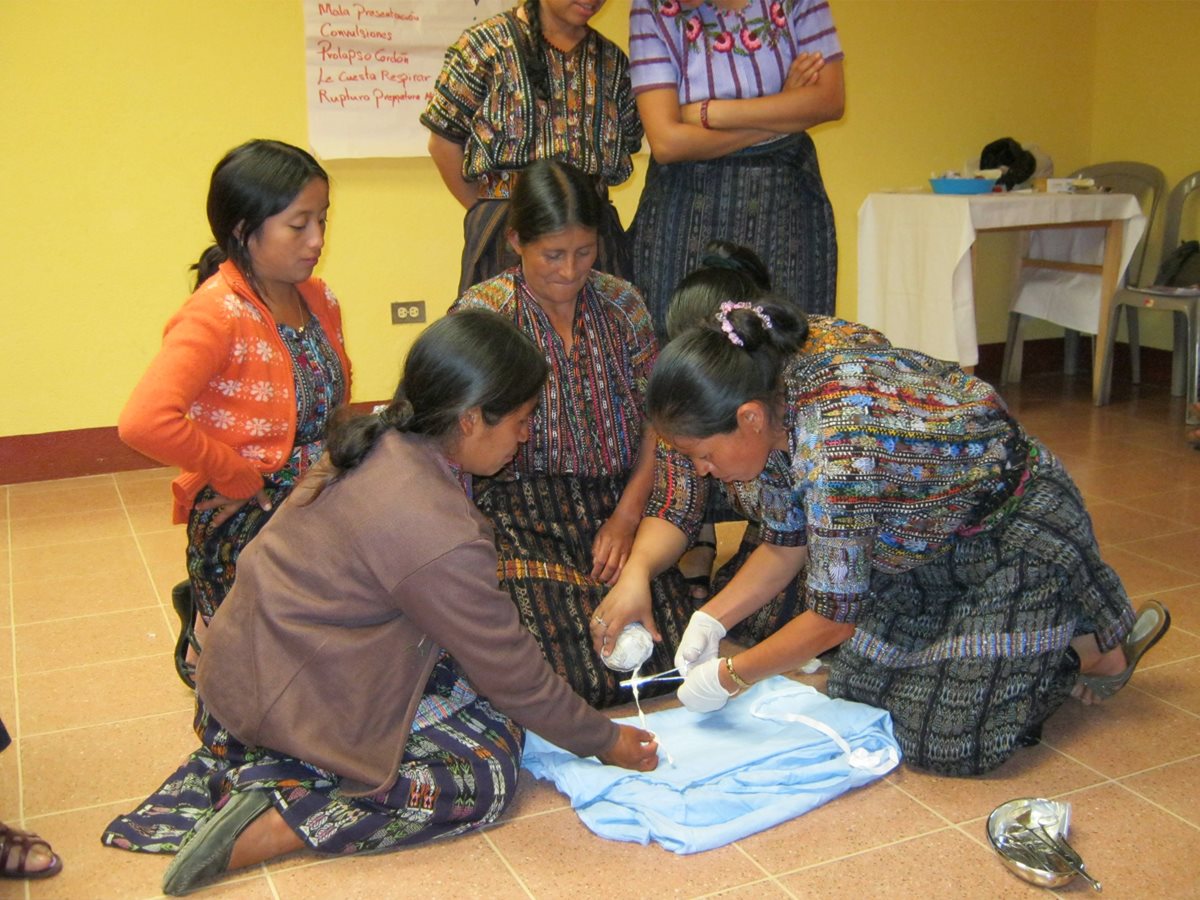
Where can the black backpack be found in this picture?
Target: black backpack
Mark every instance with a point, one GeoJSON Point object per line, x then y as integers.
{"type": "Point", "coordinates": [1181, 268]}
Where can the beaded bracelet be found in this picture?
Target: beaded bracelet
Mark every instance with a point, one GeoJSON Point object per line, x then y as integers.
{"type": "Point", "coordinates": [741, 683]}
{"type": "Point", "coordinates": [704, 115]}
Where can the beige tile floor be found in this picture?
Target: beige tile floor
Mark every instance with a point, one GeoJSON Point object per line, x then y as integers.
{"type": "Point", "coordinates": [87, 687]}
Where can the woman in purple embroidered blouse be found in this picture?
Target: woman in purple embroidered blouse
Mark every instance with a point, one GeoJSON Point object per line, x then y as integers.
{"type": "Point", "coordinates": [727, 90]}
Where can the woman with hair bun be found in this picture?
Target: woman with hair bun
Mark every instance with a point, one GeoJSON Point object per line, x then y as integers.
{"type": "Point", "coordinates": [532, 83]}
{"type": "Point", "coordinates": [358, 694]}
{"type": "Point", "coordinates": [683, 504]}
{"type": "Point", "coordinates": [566, 513]}
{"type": "Point", "coordinates": [249, 371]}
{"type": "Point", "coordinates": [945, 547]}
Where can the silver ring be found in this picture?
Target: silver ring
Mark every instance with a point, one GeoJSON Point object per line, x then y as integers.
{"type": "Point", "coordinates": [599, 621]}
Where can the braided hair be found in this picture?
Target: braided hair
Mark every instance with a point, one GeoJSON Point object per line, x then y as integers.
{"type": "Point", "coordinates": [535, 59]}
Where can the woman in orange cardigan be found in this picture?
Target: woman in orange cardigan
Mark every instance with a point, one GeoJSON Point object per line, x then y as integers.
{"type": "Point", "coordinates": [249, 371]}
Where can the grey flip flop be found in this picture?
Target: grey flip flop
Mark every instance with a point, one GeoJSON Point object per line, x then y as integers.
{"type": "Point", "coordinates": [1151, 624]}
{"type": "Point", "coordinates": [206, 856]}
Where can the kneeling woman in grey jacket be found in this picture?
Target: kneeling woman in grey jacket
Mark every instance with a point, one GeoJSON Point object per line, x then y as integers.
{"type": "Point", "coordinates": [366, 684]}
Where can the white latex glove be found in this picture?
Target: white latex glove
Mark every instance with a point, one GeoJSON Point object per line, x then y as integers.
{"type": "Point", "coordinates": [700, 642]}
{"type": "Point", "coordinates": [701, 691]}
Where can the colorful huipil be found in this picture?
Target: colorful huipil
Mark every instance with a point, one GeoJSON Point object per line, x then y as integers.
{"type": "Point", "coordinates": [956, 544]}
{"type": "Point", "coordinates": [567, 479]}
{"type": "Point", "coordinates": [680, 494]}
{"type": "Point", "coordinates": [484, 100]}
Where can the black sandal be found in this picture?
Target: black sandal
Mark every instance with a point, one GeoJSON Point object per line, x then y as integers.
{"type": "Point", "coordinates": [699, 586]}
{"type": "Point", "coordinates": [181, 599]}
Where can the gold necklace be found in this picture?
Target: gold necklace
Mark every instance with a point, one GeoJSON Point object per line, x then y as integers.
{"type": "Point", "coordinates": [301, 312]}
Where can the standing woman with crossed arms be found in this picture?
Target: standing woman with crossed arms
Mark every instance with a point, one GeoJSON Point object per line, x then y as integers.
{"type": "Point", "coordinates": [727, 90]}
{"type": "Point", "coordinates": [535, 82]}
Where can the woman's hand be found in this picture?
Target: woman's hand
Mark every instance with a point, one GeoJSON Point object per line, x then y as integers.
{"type": "Point", "coordinates": [635, 749]}
{"type": "Point", "coordinates": [805, 70]}
{"type": "Point", "coordinates": [227, 506]}
{"type": "Point", "coordinates": [611, 547]}
{"type": "Point", "coordinates": [701, 642]}
{"type": "Point", "coordinates": [629, 600]}
{"type": "Point", "coordinates": [675, 134]}
{"type": "Point", "coordinates": [702, 690]}
{"type": "Point", "coordinates": [813, 92]}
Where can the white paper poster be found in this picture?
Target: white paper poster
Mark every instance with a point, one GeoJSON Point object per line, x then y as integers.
{"type": "Point", "coordinates": [370, 70]}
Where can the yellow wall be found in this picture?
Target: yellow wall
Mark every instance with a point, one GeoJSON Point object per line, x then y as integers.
{"type": "Point", "coordinates": [1149, 109]}
{"type": "Point", "coordinates": [117, 111]}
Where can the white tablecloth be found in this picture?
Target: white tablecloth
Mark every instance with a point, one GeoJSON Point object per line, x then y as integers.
{"type": "Point", "coordinates": [914, 262]}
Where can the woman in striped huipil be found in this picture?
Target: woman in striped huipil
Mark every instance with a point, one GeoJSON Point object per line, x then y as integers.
{"type": "Point", "coordinates": [566, 510]}
{"type": "Point", "coordinates": [727, 91]}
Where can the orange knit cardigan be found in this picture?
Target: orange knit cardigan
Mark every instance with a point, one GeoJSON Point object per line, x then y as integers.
{"type": "Point", "coordinates": [218, 400]}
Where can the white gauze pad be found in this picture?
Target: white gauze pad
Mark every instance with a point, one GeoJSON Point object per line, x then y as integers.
{"type": "Point", "coordinates": [633, 647]}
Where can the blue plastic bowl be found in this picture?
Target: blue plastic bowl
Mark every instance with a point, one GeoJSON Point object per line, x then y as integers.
{"type": "Point", "coordinates": [962, 185]}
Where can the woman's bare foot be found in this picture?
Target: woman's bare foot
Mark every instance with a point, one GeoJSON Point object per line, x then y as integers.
{"type": "Point", "coordinates": [25, 855]}
{"type": "Point", "coordinates": [265, 838]}
{"type": "Point", "coordinates": [1092, 661]}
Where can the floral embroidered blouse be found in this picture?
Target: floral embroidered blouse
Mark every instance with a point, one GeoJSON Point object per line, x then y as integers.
{"type": "Point", "coordinates": [483, 99]}
{"type": "Point", "coordinates": [219, 398]}
{"type": "Point", "coordinates": [589, 421]}
{"type": "Point", "coordinates": [707, 54]}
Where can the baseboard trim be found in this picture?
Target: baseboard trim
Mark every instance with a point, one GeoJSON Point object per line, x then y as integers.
{"type": "Point", "coordinates": [97, 451]}
{"type": "Point", "coordinates": [75, 453]}
{"type": "Point", "coordinates": [1045, 355]}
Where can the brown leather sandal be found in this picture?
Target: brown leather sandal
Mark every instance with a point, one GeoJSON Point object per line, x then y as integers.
{"type": "Point", "coordinates": [14, 841]}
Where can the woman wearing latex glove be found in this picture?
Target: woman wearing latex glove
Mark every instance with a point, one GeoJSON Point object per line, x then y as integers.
{"type": "Point", "coordinates": [705, 689]}
{"type": "Point", "coordinates": [700, 643]}
{"type": "Point", "coordinates": [946, 547]}
{"type": "Point", "coordinates": [681, 498]}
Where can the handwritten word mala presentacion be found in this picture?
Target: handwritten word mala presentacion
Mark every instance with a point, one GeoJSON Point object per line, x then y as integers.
{"type": "Point", "coordinates": [371, 67]}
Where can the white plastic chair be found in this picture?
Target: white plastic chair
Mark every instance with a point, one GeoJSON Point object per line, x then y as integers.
{"type": "Point", "coordinates": [1147, 183]}
{"type": "Point", "coordinates": [1183, 303]}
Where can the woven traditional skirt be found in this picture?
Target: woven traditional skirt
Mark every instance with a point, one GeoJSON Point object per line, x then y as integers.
{"type": "Point", "coordinates": [770, 198]}
{"type": "Point", "coordinates": [458, 773]}
{"type": "Point", "coordinates": [544, 526]}
{"type": "Point", "coordinates": [487, 253]}
{"type": "Point", "coordinates": [971, 653]}
{"type": "Point", "coordinates": [212, 550]}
